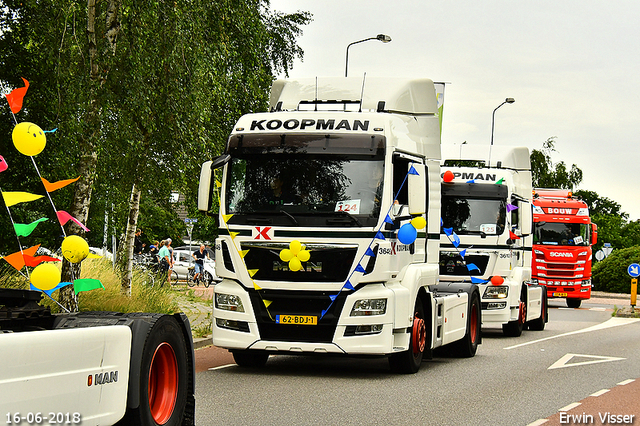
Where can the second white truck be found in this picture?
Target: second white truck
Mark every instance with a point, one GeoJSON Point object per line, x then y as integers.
{"type": "Point", "coordinates": [487, 227]}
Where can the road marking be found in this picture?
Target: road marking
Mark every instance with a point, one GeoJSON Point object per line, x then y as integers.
{"type": "Point", "coordinates": [563, 362]}
{"type": "Point", "coordinates": [598, 309]}
{"type": "Point", "coordinates": [626, 382]}
{"type": "Point", "coordinates": [222, 366]}
{"type": "Point", "coordinates": [600, 392]}
{"type": "Point", "coordinates": [538, 422]}
{"type": "Point", "coordinates": [570, 406]}
{"type": "Point", "coordinates": [613, 322]}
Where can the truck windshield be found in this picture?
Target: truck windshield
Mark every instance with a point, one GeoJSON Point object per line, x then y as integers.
{"type": "Point", "coordinates": [474, 208]}
{"type": "Point", "coordinates": [561, 234]}
{"type": "Point", "coordinates": [305, 180]}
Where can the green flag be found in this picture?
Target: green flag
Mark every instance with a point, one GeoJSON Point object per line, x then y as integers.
{"type": "Point", "coordinates": [25, 229]}
{"type": "Point", "coordinates": [86, 284]}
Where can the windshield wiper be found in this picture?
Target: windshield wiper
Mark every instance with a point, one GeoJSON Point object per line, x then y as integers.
{"type": "Point", "coordinates": [290, 216]}
{"type": "Point", "coordinates": [338, 221]}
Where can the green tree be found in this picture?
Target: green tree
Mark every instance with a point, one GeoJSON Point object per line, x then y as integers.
{"type": "Point", "coordinates": [547, 174]}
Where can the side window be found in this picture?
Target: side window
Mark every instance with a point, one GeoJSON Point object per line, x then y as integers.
{"type": "Point", "coordinates": [400, 169]}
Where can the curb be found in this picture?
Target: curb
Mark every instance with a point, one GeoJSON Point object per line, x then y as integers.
{"type": "Point", "coordinates": [202, 342]}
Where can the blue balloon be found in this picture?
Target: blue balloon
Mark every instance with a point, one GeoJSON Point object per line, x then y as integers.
{"type": "Point", "coordinates": [407, 233]}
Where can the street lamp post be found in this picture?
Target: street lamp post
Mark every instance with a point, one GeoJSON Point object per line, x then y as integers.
{"type": "Point", "coordinates": [493, 117]}
{"type": "Point", "coordinates": [382, 37]}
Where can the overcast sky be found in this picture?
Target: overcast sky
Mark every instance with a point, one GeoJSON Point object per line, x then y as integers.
{"type": "Point", "coordinates": [572, 67]}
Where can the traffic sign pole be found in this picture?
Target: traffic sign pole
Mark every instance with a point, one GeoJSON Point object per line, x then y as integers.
{"type": "Point", "coordinates": [634, 292]}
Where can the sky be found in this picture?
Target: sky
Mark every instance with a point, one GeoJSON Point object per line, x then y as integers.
{"type": "Point", "coordinates": [572, 67]}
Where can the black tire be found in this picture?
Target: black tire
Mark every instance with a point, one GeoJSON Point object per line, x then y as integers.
{"type": "Point", "coordinates": [514, 328]}
{"type": "Point", "coordinates": [190, 281]}
{"type": "Point", "coordinates": [250, 359]}
{"type": "Point", "coordinates": [408, 362]}
{"type": "Point", "coordinates": [538, 324]}
{"type": "Point", "coordinates": [574, 303]}
{"type": "Point", "coordinates": [173, 277]}
{"type": "Point", "coordinates": [468, 346]}
{"type": "Point", "coordinates": [163, 377]}
{"type": "Point", "coordinates": [207, 279]}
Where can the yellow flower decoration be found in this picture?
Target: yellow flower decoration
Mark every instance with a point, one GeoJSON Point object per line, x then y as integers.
{"type": "Point", "coordinates": [295, 255]}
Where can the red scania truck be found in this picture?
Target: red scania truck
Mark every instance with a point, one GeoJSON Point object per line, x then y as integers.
{"type": "Point", "coordinates": [562, 239]}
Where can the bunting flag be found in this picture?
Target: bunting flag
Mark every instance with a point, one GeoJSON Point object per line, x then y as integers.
{"type": "Point", "coordinates": [50, 291]}
{"type": "Point", "coordinates": [412, 171]}
{"type": "Point", "coordinates": [380, 236]}
{"type": "Point", "coordinates": [226, 217]}
{"type": "Point", "coordinates": [359, 268]}
{"type": "Point", "coordinates": [3, 164]}
{"type": "Point", "coordinates": [369, 252]}
{"type": "Point", "coordinates": [252, 272]}
{"type": "Point", "coordinates": [33, 261]}
{"type": "Point", "coordinates": [64, 217]}
{"type": "Point", "coordinates": [243, 253]}
{"type": "Point", "coordinates": [13, 198]}
{"type": "Point", "coordinates": [513, 236]}
{"type": "Point", "coordinates": [16, 96]}
{"type": "Point", "coordinates": [50, 187]}
{"type": "Point", "coordinates": [475, 280]}
{"type": "Point", "coordinates": [500, 181]}
{"type": "Point", "coordinates": [333, 297]}
{"type": "Point", "coordinates": [17, 259]}
{"type": "Point", "coordinates": [456, 240]}
{"type": "Point", "coordinates": [233, 235]}
{"type": "Point", "coordinates": [86, 284]}
{"type": "Point", "coordinates": [472, 267]}
{"type": "Point", "coordinates": [511, 207]}
{"type": "Point", "coordinates": [267, 302]}
{"type": "Point", "coordinates": [463, 253]}
{"type": "Point", "coordinates": [94, 256]}
{"type": "Point", "coordinates": [471, 181]}
{"type": "Point", "coordinates": [24, 230]}
{"type": "Point", "coordinates": [257, 287]}
{"type": "Point", "coordinates": [348, 285]}
{"type": "Point", "coordinates": [448, 231]}
{"type": "Point", "coordinates": [388, 220]}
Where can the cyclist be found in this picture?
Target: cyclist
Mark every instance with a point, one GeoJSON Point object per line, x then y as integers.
{"type": "Point", "coordinates": [199, 255]}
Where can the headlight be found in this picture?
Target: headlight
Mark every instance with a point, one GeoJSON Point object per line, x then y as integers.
{"type": "Point", "coordinates": [496, 292]}
{"type": "Point", "coordinates": [586, 283]}
{"type": "Point", "coordinates": [229, 302]}
{"type": "Point", "coordinates": [367, 307]}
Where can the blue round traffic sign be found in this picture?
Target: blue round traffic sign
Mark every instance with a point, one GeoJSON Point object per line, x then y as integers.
{"type": "Point", "coordinates": [633, 270]}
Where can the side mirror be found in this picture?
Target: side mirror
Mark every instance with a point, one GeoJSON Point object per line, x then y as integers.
{"type": "Point", "coordinates": [418, 189]}
{"type": "Point", "coordinates": [594, 234]}
{"type": "Point", "coordinates": [205, 186]}
{"type": "Point", "coordinates": [526, 216]}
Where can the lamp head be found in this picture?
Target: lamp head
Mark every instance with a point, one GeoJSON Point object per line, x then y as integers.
{"type": "Point", "coordinates": [383, 38]}
{"type": "Point", "coordinates": [509, 100]}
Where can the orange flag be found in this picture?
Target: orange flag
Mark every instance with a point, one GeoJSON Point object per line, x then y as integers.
{"type": "Point", "coordinates": [17, 259]}
{"type": "Point", "coordinates": [15, 97]}
{"type": "Point", "coordinates": [50, 187]}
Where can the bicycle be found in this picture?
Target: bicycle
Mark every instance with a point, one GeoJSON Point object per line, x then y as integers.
{"type": "Point", "coordinates": [206, 278]}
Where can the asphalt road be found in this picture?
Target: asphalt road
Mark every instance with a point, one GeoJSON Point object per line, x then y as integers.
{"type": "Point", "coordinates": [584, 363]}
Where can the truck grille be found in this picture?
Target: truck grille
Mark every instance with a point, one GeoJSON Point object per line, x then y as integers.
{"type": "Point", "coordinates": [453, 264]}
{"type": "Point", "coordinates": [328, 263]}
{"type": "Point", "coordinates": [297, 303]}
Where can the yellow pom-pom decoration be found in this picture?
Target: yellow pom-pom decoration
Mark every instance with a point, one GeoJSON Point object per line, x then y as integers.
{"type": "Point", "coordinates": [28, 138]}
{"type": "Point", "coordinates": [294, 264]}
{"type": "Point", "coordinates": [45, 276]}
{"type": "Point", "coordinates": [75, 249]}
{"type": "Point", "coordinates": [286, 255]}
{"type": "Point", "coordinates": [419, 222]}
{"type": "Point", "coordinates": [304, 255]}
{"type": "Point", "coordinates": [295, 246]}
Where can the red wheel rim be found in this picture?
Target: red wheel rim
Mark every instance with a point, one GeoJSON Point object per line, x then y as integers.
{"type": "Point", "coordinates": [419, 335]}
{"type": "Point", "coordinates": [163, 383]}
{"type": "Point", "coordinates": [473, 324]}
{"type": "Point", "coordinates": [523, 313]}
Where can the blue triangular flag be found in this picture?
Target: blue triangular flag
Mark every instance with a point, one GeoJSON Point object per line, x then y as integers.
{"type": "Point", "coordinates": [359, 268]}
{"type": "Point", "coordinates": [472, 266]}
{"type": "Point", "coordinates": [441, 222]}
{"type": "Point", "coordinates": [456, 240]}
{"type": "Point", "coordinates": [324, 311]}
{"type": "Point", "coordinates": [471, 181]}
{"type": "Point", "coordinates": [478, 280]}
{"type": "Point", "coordinates": [448, 231]}
{"type": "Point", "coordinates": [463, 253]}
{"type": "Point", "coordinates": [348, 285]}
{"type": "Point", "coordinates": [333, 297]}
{"type": "Point", "coordinates": [511, 207]}
{"type": "Point", "coordinates": [50, 291]}
{"type": "Point", "coordinates": [388, 220]}
{"type": "Point", "coordinates": [412, 171]}
{"type": "Point", "coordinates": [379, 236]}
{"type": "Point", "coordinates": [370, 253]}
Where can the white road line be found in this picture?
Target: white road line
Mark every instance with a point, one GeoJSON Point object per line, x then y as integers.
{"type": "Point", "coordinates": [594, 359]}
{"type": "Point", "coordinates": [538, 422]}
{"type": "Point", "coordinates": [598, 309]}
{"type": "Point", "coordinates": [613, 322]}
{"type": "Point", "coordinates": [600, 392]}
{"type": "Point", "coordinates": [626, 382]}
{"type": "Point", "coordinates": [570, 406]}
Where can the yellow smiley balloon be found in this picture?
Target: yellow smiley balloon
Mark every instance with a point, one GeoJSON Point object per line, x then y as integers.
{"type": "Point", "coordinates": [75, 249]}
{"type": "Point", "coordinates": [45, 276]}
{"type": "Point", "coordinates": [29, 138]}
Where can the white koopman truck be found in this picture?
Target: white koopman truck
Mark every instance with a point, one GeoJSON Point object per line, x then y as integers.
{"type": "Point", "coordinates": [314, 195]}
{"type": "Point", "coordinates": [94, 368]}
{"type": "Point", "coordinates": [487, 233]}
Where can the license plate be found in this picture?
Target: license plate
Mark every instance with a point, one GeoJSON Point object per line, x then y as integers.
{"type": "Point", "coordinates": [556, 294]}
{"type": "Point", "coordinates": [297, 319]}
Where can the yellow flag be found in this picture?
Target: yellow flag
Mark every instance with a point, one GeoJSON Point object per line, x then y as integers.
{"type": "Point", "coordinates": [267, 303]}
{"type": "Point", "coordinates": [252, 272]}
{"type": "Point", "coordinates": [233, 234]}
{"type": "Point", "coordinates": [256, 286]}
{"type": "Point", "coordinates": [226, 217]}
{"type": "Point", "coordinates": [13, 198]}
{"type": "Point", "coordinates": [243, 253]}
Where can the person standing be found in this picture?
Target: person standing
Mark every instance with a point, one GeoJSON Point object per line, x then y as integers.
{"type": "Point", "coordinates": [166, 259]}
{"type": "Point", "coordinates": [199, 255]}
{"type": "Point", "coordinates": [137, 243]}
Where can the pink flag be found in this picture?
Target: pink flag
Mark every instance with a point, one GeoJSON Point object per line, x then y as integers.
{"type": "Point", "coordinates": [15, 97]}
{"type": "Point", "coordinates": [65, 217]}
{"type": "Point", "coordinates": [3, 164]}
